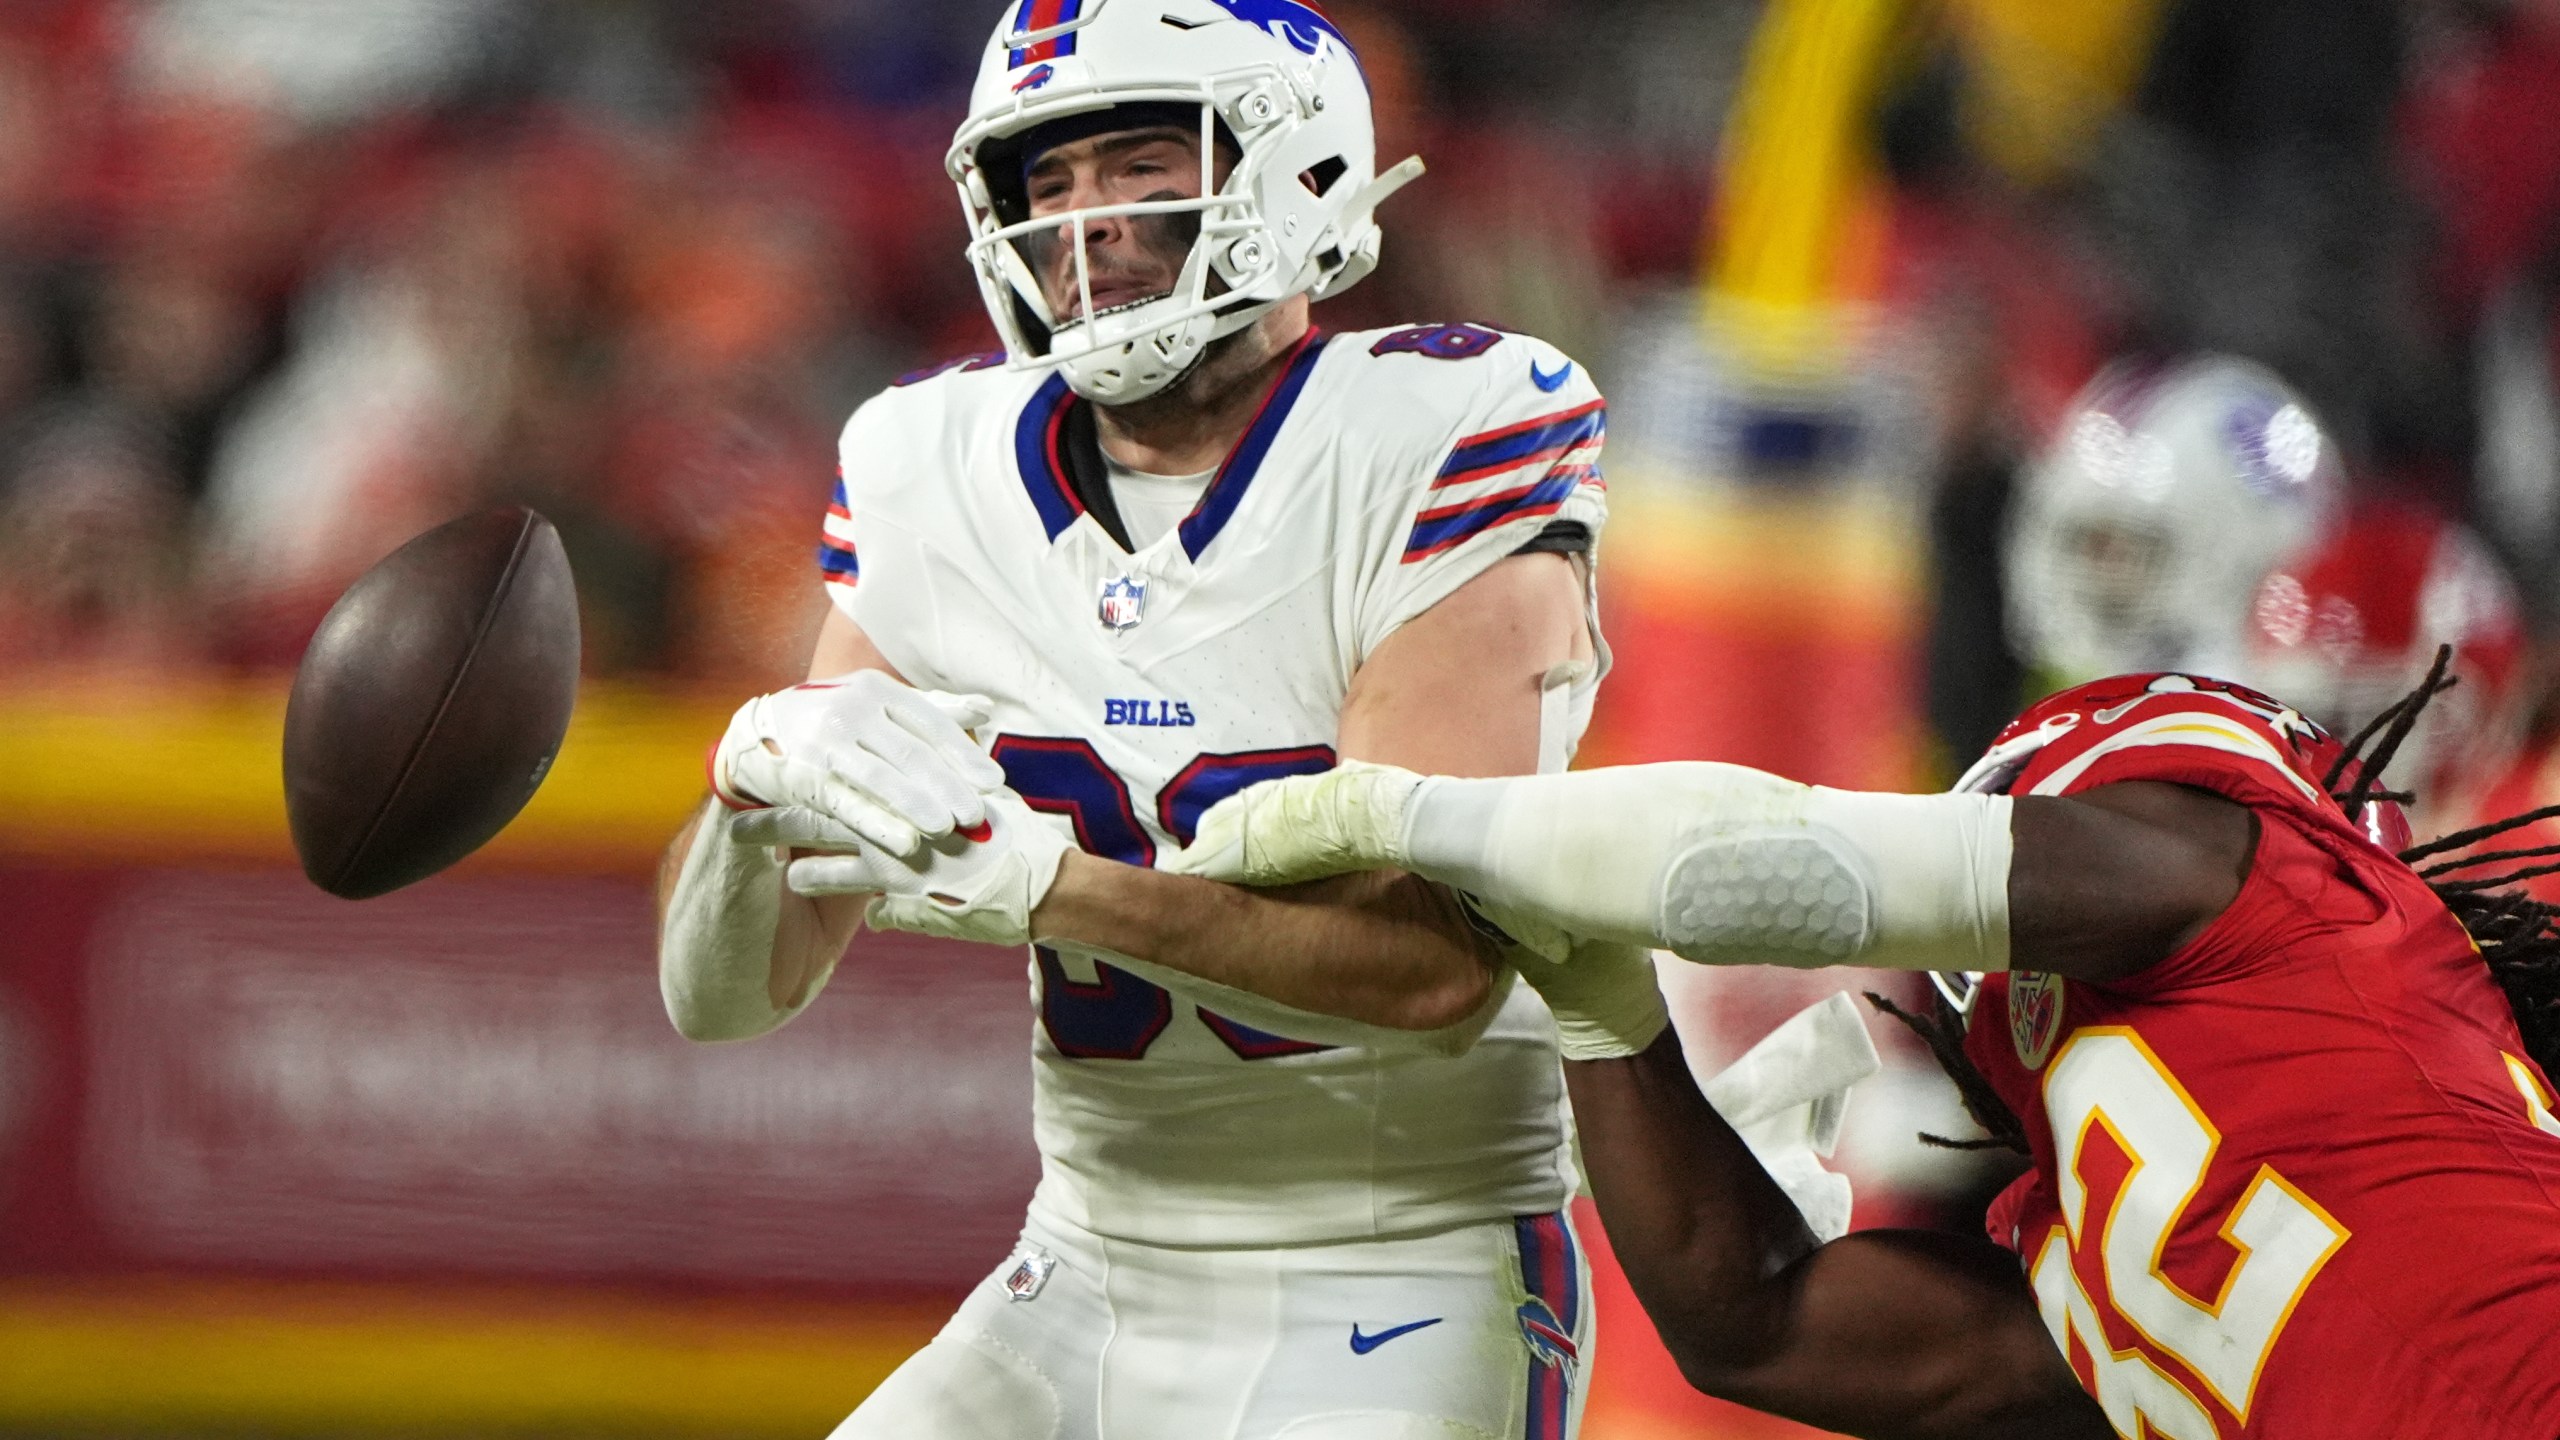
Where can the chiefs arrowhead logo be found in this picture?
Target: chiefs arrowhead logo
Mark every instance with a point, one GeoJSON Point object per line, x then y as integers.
{"type": "Point", "coordinates": [2035, 1016]}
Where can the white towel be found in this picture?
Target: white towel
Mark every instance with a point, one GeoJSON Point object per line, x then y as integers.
{"type": "Point", "coordinates": [1786, 1097]}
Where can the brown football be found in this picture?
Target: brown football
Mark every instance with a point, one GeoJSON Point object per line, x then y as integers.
{"type": "Point", "coordinates": [429, 705]}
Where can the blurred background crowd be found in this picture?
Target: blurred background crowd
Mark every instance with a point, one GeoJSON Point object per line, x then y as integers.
{"type": "Point", "coordinates": [284, 282]}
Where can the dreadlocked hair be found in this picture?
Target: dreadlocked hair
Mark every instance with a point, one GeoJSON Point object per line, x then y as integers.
{"type": "Point", "coordinates": [2517, 935]}
{"type": "Point", "coordinates": [1942, 1030]}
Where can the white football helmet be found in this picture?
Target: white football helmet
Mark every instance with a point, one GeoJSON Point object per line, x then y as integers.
{"type": "Point", "coordinates": [1272, 78]}
{"type": "Point", "coordinates": [2141, 535]}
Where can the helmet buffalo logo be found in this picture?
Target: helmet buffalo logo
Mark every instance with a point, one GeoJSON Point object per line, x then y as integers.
{"type": "Point", "coordinates": [1301, 25]}
{"type": "Point", "coordinates": [1040, 75]}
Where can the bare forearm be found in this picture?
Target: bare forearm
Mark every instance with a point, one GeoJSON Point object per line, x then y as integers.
{"type": "Point", "coordinates": [1381, 948]}
{"type": "Point", "coordinates": [738, 953]}
{"type": "Point", "coordinates": [1895, 1335]}
{"type": "Point", "coordinates": [1698, 1224]}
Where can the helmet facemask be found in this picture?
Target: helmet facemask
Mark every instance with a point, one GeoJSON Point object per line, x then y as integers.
{"type": "Point", "coordinates": [1225, 279]}
{"type": "Point", "coordinates": [1273, 83]}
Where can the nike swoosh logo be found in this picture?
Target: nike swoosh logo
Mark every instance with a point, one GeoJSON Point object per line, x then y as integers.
{"type": "Point", "coordinates": [1547, 382]}
{"type": "Point", "coordinates": [1363, 1344]}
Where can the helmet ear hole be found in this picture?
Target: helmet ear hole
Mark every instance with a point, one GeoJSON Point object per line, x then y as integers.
{"type": "Point", "coordinates": [1322, 176]}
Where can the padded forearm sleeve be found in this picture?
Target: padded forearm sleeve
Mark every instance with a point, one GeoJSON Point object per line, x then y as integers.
{"type": "Point", "coordinates": [1726, 865]}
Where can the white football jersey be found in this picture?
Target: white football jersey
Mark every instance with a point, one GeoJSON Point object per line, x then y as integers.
{"type": "Point", "coordinates": [1132, 691]}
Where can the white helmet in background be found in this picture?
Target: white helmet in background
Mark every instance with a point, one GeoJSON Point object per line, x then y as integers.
{"type": "Point", "coordinates": [1273, 79]}
{"type": "Point", "coordinates": [2140, 537]}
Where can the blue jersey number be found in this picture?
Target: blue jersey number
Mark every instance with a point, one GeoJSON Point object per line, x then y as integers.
{"type": "Point", "coordinates": [1440, 342]}
{"type": "Point", "coordinates": [1117, 1016]}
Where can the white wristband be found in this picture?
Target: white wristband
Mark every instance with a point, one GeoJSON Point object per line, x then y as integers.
{"type": "Point", "coordinates": [715, 949]}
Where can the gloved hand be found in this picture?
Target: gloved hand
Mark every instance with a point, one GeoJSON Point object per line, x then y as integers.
{"type": "Point", "coordinates": [889, 765]}
{"type": "Point", "coordinates": [982, 885]}
{"type": "Point", "coordinates": [1305, 827]}
{"type": "Point", "coordinates": [1606, 1001]}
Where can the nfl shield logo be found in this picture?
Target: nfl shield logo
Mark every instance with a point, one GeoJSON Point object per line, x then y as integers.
{"type": "Point", "coordinates": [1124, 603]}
{"type": "Point", "coordinates": [1025, 1280]}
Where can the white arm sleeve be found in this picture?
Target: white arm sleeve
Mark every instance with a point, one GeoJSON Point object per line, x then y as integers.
{"type": "Point", "coordinates": [1726, 865]}
{"type": "Point", "coordinates": [715, 952]}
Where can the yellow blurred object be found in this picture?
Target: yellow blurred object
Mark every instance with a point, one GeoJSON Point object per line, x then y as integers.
{"type": "Point", "coordinates": [2042, 77]}
{"type": "Point", "coordinates": [339, 1356]}
{"type": "Point", "coordinates": [1802, 219]}
{"type": "Point", "coordinates": [1799, 210]}
{"type": "Point", "coordinates": [1815, 567]}
{"type": "Point", "coordinates": [105, 769]}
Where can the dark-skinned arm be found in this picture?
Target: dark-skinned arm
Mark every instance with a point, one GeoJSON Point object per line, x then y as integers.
{"type": "Point", "coordinates": [1881, 1333]}
{"type": "Point", "coordinates": [1906, 1334]}
{"type": "Point", "coordinates": [1891, 1334]}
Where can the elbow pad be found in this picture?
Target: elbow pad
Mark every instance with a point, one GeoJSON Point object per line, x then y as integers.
{"type": "Point", "coordinates": [1899, 882]}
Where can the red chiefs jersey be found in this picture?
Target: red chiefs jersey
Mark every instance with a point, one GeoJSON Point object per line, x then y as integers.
{"type": "Point", "coordinates": [2298, 1179]}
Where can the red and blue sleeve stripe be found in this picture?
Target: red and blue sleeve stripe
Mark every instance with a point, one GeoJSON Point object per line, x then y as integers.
{"type": "Point", "coordinates": [1453, 525]}
{"type": "Point", "coordinates": [1566, 444]}
{"type": "Point", "coordinates": [836, 559]}
{"type": "Point", "coordinates": [1530, 442]}
{"type": "Point", "coordinates": [1033, 15]}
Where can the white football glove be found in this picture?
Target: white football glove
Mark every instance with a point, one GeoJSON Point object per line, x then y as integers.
{"type": "Point", "coordinates": [1305, 827]}
{"type": "Point", "coordinates": [890, 765]}
{"type": "Point", "coordinates": [981, 886]}
{"type": "Point", "coordinates": [1606, 1000]}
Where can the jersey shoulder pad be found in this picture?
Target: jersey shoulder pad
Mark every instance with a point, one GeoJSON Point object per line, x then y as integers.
{"type": "Point", "coordinates": [1467, 372]}
{"type": "Point", "coordinates": [897, 446]}
{"type": "Point", "coordinates": [1514, 426]}
{"type": "Point", "coordinates": [2186, 729]}
{"type": "Point", "coordinates": [958, 365]}
{"type": "Point", "coordinates": [905, 432]}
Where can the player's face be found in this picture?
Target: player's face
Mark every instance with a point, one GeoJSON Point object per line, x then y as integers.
{"type": "Point", "coordinates": [2120, 568]}
{"type": "Point", "coordinates": [1132, 258]}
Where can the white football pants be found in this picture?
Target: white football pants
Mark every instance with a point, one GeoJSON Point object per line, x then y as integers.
{"type": "Point", "coordinates": [1476, 1333]}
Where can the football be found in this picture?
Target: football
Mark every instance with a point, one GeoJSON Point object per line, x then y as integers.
{"type": "Point", "coordinates": [429, 705]}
